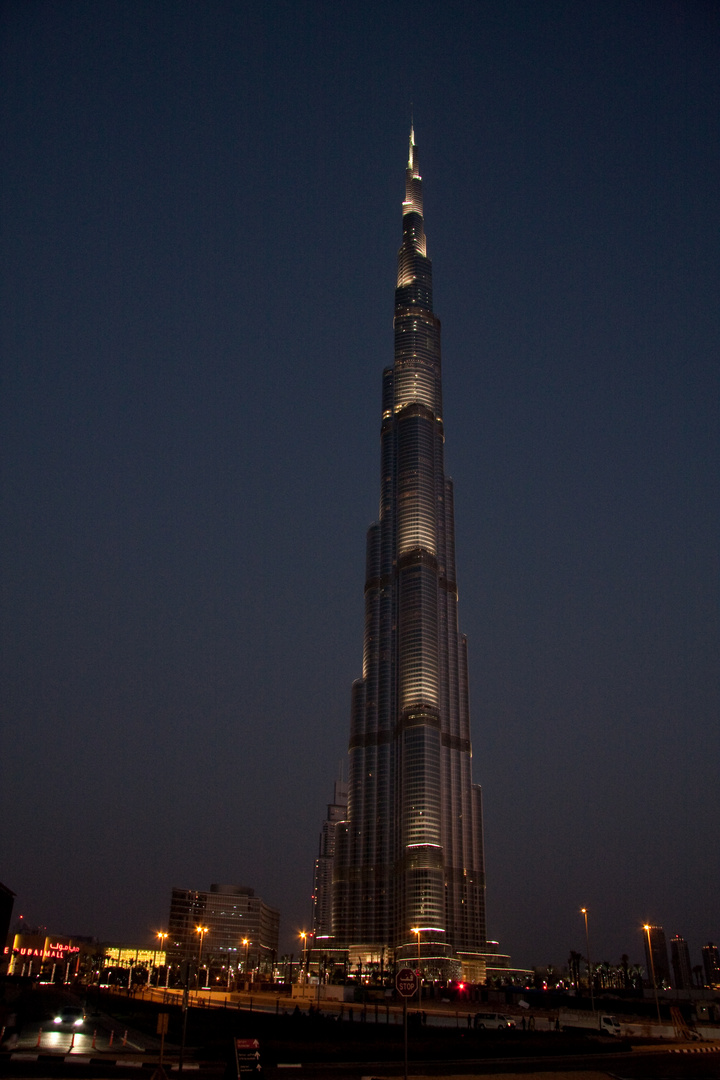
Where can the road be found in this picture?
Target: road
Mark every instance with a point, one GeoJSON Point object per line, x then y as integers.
{"type": "Point", "coordinates": [102, 1048]}
{"type": "Point", "coordinates": [658, 1064]}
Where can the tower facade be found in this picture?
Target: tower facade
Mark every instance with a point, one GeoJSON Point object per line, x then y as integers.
{"type": "Point", "coordinates": [322, 882]}
{"type": "Point", "coordinates": [408, 876]}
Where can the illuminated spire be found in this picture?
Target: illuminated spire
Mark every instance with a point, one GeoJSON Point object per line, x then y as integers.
{"type": "Point", "coordinates": [408, 873]}
{"type": "Point", "coordinates": [413, 265]}
{"type": "Point", "coordinates": [412, 155]}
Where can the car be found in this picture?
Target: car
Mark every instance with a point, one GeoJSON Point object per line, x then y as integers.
{"type": "Point", "coordinates": [70, 1016]}
{"type": "Point", "coordinates": [493, 1021]}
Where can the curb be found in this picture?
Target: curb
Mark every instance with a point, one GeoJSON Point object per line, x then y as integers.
{"type": "Point", "coordinates": [87, 1059]}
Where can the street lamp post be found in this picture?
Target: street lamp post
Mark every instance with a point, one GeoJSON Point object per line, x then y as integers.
{"type": "Point", "coordinates": [162, 934]}
{"type": "Point", "coordinates": [647, 928]}
{"type": "Point", "coordinates": [246, 943]}
{"type": "Point", "coordinates": [417, 930]}
{"type": "Point", "coordinates": [202, 931]}
{"type": "Point", "coordinates": [584, 912]}
{"type": "Point", "coordinates": [303, 936]}
{"type": "Point", "coordinates": [311, 936]}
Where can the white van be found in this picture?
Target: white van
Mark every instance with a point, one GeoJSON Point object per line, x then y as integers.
{"type": "Point", "coordinates": [493, 1021]}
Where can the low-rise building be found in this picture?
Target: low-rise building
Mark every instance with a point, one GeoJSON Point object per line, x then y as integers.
{"type": "Point", "coordinates": [227, 932]}
{"type": "Point", "coordinates": [49, 957]}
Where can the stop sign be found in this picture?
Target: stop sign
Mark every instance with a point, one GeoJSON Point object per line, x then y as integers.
{"type": "Point", "coordinates": [406, 982]}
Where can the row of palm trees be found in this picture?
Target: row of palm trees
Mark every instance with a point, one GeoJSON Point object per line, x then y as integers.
{"type": "Point", "coordinates": [622, 976]}
{"type": "Point", "coordinates": [606, 975]}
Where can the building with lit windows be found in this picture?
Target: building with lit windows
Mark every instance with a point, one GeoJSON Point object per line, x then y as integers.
{"type": "Point", "coordinates": [711, 964]}
{"type": "Point", "coordinates": [238, 935]}
{"type": "Point", "coordinates": [680, 959]}
{"type": "Point", "coordinates": [408, 876]}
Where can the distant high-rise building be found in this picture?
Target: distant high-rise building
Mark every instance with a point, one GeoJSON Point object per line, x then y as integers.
{"type": "Point", "coordinates": [241, 930]}
{"type": "Point", "coordinates": [711, 964]}
{"type": "Point", "coordinates": [409, 877]}
{"type": "Point", "coordinates": [322, 888]}
{"type": "Point", "coordinates": [682, 969]}
{"type": "Point", "coordinates": [659, 961]}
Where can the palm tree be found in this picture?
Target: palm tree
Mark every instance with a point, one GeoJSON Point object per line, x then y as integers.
{"type": "Point", "coordinates": [603, 972]}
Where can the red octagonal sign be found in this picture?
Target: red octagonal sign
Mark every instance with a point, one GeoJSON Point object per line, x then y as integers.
{"type": "Point", "coordinates": [406, 982]}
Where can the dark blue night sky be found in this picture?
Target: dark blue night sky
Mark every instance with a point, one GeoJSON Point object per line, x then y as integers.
{"type": "Point", "coordinates": [201, 208]}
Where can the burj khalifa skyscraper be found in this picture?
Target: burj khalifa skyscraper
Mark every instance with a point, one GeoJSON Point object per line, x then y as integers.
{"type": "Point", "coordinates": [408, 874]}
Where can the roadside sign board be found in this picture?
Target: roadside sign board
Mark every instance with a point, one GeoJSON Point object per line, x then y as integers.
{"type": "Point", "coordinates": [162, 1023]}
{"type": "Point", "coordinates": [247, 1052]}
{"type": "Point", "coordinates": [406, 982]}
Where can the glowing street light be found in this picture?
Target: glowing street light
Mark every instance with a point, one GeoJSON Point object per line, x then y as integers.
{"type": "Point", "coordinates": [647, 928]}
{"type": "Point", "coordinates": [417, 930]}
{"type": "Point", "coordinates": [303, 936]}
{"type": "Point", "coordinates": [163, 935]}
{"type": "Point", "coordinates": [202, 931]}
{"type": "Point", "coordinates": [583, 911]}
{"type": "Point", "coordinates": [246, 943]}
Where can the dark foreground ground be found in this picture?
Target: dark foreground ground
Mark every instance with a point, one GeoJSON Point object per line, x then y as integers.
{"type": "Point", "coordinates": [300, 1047]}
{"type": "Point", "coordinates": [291, 1039]}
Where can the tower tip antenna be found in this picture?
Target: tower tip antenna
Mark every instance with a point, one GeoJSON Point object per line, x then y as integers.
{"type": "Point", "coordinates": [411, 149]}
